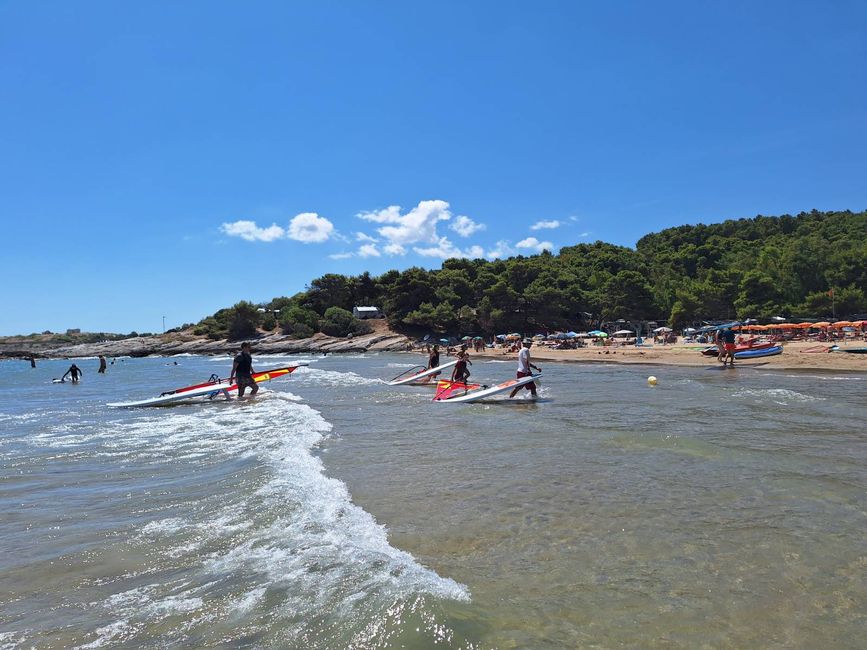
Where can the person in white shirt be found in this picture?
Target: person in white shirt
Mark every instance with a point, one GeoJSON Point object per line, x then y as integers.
{"type": "Point", "coordinates": [524, 366]}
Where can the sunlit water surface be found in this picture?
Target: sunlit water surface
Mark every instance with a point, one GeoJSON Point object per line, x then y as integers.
{"type": "Point", "coordinates": [717, 509]}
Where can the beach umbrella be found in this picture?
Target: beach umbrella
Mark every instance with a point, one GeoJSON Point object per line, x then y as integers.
{"type": "Point", "coordinates": [445, 341]}
{"type": "Point", "coordinates": [467, 338]}
{"type": "Point", "coordinates": [821, 324]}
{"type": "Point", "coordinates": [582, 335]}
{"type": "Point", "coordinates": [662, 329]}
{"type": "Point", "coordinates": [478, 338]}
{"type": "Point", "coordinates": [689, 330]}
{"type": "Point", "coordinates": [599, 333]}
{"type": "Point", "coordinates": [570, 334]}
{"type": "Point", "coordinates": [842, 323]}
{"type": "Point", "coordinates": [624, 333]}
{"type": "Point", "coordinates": [539, 337]}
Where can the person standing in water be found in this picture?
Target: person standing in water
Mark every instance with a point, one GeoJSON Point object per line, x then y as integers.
{"type": "Point", "coordinates": [74, 372]}
{"type": "Point", "coordinates": [32, 362]}
{"type": "Point", "coordinates": [101, 365]}
{"type": "Point", "coordinates": [433, 361]}
{"type": "Point", "coordinates": [460, 373]}
{"type": "Point", "coordinates": [242, 371]}
{"type": "Point", "coordinates": [728, 339]}
{"type": "Point", "coordinates": [524, 366]}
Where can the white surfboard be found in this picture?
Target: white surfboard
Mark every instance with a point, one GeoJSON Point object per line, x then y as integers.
{"type": "Point", "coordinates": [483, 393]}
{"type": "Point", "coordinates": [421, 375]}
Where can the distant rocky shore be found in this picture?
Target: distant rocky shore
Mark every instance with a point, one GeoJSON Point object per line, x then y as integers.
{"type": "Point", "coordinates": [184, 343]}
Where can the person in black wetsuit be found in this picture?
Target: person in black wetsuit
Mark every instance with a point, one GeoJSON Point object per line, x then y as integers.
{"type": "Point", "coordinates": [242, 371]}
{"type": "Point", "coordinates": [74, 372]}
{"type": "Point", "coordinates": [101, 365]}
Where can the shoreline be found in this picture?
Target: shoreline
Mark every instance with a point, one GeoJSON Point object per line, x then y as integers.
{"type": "Point", "coordinates": [168, 345]}
{"type": "Point", "coordinates": [687, 355]}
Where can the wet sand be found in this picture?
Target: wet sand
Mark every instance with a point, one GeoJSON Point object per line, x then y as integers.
{"type": "Point", "coordinates": [793, 357]}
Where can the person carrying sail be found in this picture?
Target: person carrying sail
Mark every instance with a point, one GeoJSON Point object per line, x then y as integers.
{"type": "Point", "coordinates": [524, 366]}
{"type": "Point", "coordinates": [242, 371]}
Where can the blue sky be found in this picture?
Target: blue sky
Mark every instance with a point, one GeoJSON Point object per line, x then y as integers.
{"type": "Point", "coordinates": [170, 159]}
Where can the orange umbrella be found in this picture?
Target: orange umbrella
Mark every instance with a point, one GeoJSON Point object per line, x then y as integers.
{"type": "Point", "coordinates": [822, 324]}
{"type": "Point", "coordinates": [803, 326]}
{"type": "Point", "coordinates": [842, 323]}
{"type": "Point", "coordinates": [786, 326]}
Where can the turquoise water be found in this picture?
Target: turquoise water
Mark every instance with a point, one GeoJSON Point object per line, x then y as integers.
{"type": "Point", "coordinates": [718, 509]}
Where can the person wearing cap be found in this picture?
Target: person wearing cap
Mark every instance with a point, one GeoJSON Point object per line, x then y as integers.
{"type": "Point", "coordinates": [524, 366]}
{"type": "Point", "coordinates": [242, 371]}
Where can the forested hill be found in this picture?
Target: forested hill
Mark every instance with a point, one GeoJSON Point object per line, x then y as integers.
{"type": "Point", "coordinates": [747, 268]}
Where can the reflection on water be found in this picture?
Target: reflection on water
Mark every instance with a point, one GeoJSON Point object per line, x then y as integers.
{"type": "Point", "coordinates": [717, 509]}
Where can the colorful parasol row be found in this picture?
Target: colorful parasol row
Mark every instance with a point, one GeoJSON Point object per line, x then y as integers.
{"type": "Point", "coordinates": [801, 326]}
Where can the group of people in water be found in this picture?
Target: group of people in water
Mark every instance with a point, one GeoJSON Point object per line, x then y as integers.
{"type": "Point", "coordinates": [75, 373]}
{"type": "Point", "coordinates": [461, 372]}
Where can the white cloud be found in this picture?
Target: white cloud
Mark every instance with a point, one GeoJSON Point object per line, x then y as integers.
{"type": "Point", "coordinates": [394, 249]}
{"type": "Point", "coordinates": [360, 236]}
{"type": "Point", "coordinates": [573, 218]}
{"type": "Point", "coordinates": [445, 249]}
{"type": "Point", "coordinates": [309, 227]}
{"type": "Point", "coordinates": [465, 226]}
{"type": "Point", "coordinates": [584, 234]}
{"type": "Point", "coordinates": [534, 244]}
{"type": "Point", "coordinates": [249, 231]}
{"type": "Point", "coordinates": [341, 256]}
{"type": "Point", "coordinates": [368, 250]}
{"type": "Point", "coordinates": [546, 225]}
{"type": "Point", "coordinates": [416, 226]}
{"type": "Point", "coordinates": [502, 249]}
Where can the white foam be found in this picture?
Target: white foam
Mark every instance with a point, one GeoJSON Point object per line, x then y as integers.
{"type": "Point", "coordinates": [299, 527]}
{"type": "Point", "coordinates": [782, 396]}
{"type": "Point", "coordinates": [334, 378]}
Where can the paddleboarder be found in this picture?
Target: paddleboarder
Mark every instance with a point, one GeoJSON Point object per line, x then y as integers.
{"type": "Point", "coordinates": [242, 371]}
{"type": "Point", "coordinates": [74, 372]}
{"type": "Point", "coordinates": [524, 366]}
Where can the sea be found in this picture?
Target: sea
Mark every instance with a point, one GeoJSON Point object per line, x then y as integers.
{"type": "Point", "coordinates": [716, 509]}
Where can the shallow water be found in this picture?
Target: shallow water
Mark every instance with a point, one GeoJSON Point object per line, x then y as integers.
{"type": "Point", "coordinates": [718, 509]}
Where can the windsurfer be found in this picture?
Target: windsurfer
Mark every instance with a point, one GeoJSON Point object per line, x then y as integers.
{"type": "Point", "coordinates": [524, 366]}
{"type": "Point", "coordinates": [460, 373]}
{"type": "Point", "coordinates": [242, 371]}
{"type": "Point", "coordinates": [433, 360]}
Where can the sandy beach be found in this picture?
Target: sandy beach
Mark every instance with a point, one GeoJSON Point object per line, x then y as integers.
{"type": "Point", "coordinates": [794, 356]}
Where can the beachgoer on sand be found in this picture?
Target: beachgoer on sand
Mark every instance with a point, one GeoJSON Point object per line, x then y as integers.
{"type": "Point", "coordinates": [728, 338]}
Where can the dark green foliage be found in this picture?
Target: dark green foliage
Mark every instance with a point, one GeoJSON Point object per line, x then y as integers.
{"type": "Point", "coordinates": [340, 322]}
{"type": "Point", "coordinates": [760, 267]}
